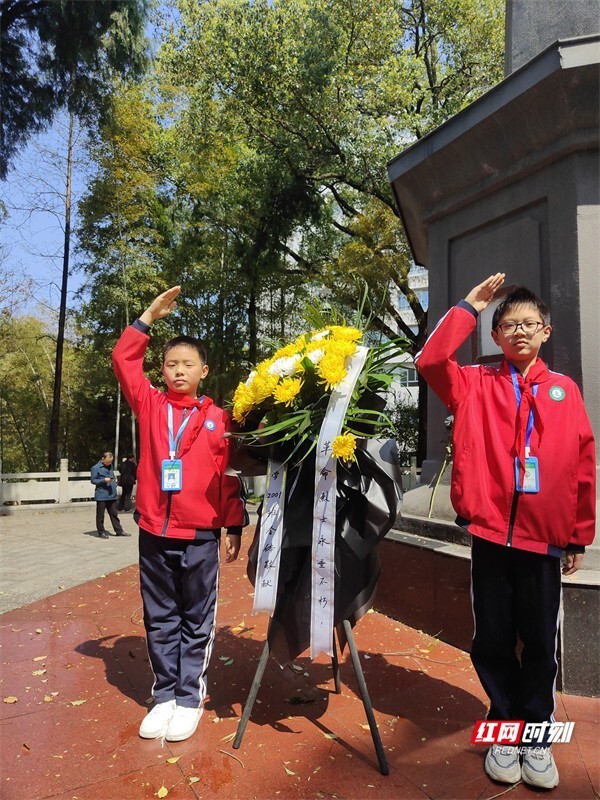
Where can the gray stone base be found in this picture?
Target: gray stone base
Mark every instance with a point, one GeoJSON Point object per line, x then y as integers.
{"type": "Point", "coordinates": [425, 583]}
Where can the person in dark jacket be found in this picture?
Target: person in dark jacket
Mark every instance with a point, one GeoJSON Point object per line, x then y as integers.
{"type": "Point", "coordinates": [126, 481]}
{"type": "Point", "coordinates": [103, 478]}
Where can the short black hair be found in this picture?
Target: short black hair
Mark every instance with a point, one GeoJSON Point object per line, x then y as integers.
{"type": "Point", "coordinates": [185, 341]}
{"type": "Point", "coordinates": [520, 296]}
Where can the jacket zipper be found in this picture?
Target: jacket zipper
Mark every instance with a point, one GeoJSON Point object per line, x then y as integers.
{"type": "Point", "coordinates": [170, 496]}
{"type": "Point", "coordinates": [513, 514]}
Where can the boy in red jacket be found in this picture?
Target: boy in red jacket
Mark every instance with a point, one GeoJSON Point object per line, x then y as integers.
{"type": "Point", "coordinates": [523, 483]}
{"type": "Point", "coordinates": [186, 494]}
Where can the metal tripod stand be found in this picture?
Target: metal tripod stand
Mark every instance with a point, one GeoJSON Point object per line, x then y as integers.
{"type": "Point", "coordinates": [362, 685]}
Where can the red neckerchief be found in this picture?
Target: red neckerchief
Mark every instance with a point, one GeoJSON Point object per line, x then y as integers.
{"type": "Point", "coordinates": [538, 373]}
{"type": "Point", "coordinates": [201, 404]}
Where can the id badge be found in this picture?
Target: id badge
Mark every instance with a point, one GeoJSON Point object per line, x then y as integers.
{"type": "Point", "coordinates": [172, 475]}
{"type": "Point", "coordinates": [531, 480]}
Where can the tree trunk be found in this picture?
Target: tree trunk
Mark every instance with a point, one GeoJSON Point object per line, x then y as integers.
{"type": "Point", "coordinates": [53, 454]}
{"type": "Point", "coordinates": [252, 326]}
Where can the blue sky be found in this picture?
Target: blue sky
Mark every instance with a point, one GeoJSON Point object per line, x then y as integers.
{"type": "Point", "coordinates": [33, 233]}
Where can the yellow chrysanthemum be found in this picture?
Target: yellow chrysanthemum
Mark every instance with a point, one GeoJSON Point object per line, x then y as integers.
{"type": "Point", "coordinates": [332, 370]}
{"type": "Point", "coordinates": [287, 390]}
{"type": "Point", "coordinates": [263, 366]}
{"type": "Point", "coordinates": [300, 343]}
{"type": "Point", "coordinates": [284, 352]}
{"type": "Point", "coordinates": [262, 386]}
{"type": "Point", "coordinates": [243, 402]}
{"type": "Point", "coordinates": [343, 446]}
{"type": "Point", "coordinates": [340, 348]}
{"type": "Point", "coordinates": [345, 333]}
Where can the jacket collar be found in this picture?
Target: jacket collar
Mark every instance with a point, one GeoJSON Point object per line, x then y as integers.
{"type": "Point", "coordinates": [537, 374]}
{"type": "Point", "coordinates": [183, 401]}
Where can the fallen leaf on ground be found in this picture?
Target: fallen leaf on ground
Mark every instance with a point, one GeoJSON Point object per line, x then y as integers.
{"type": "Point", "coordinates": [78, 702]}
{"type": "Point", "coordinates": [40, 658]}
{"type": "Point", "coordinates": [162, 792]}
{"type": "Point", "coordinates": [39, 672]}
{"type": "Point", "coordinates": [297, 701]}
{"type": "Point", "coordinates": [193, 780]}
{"type": "Point", "coordinates": [173, 760]}
{"type": "Point", "coordinates": [289, 771]}
{"type": "Point", "coordinates": [331, 736]}
{"type": "Point", "coordinates": [11, 699]}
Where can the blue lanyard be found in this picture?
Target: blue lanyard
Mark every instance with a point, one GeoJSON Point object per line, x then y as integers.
{"type": "Point", "coordinates": [175, 440]}
{"type": "Point", "coordinates": [517, 388]}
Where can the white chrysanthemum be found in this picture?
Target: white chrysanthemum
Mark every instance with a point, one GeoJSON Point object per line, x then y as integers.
{"type": "Point", "coordinates": [285, 367]}
{"type": "Point", "coordinates": [321, 335]}
{"type": "Point", "coordinates": [250, 377]}
{"type": "Point", "coordinates": [315, 355]}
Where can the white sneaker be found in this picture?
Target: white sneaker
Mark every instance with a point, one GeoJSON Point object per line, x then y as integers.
{"type": "Point", "coordinates": [539, 768]}
{"type": "Point", "coordinates": [155, 723]}
{"type": "Point", "coordinates": [183, 723]}
{"type": "Point", "coordinates": [502, 763]}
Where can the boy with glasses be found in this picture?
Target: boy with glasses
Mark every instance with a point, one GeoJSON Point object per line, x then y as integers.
{"type": "Point", "coordinates": [523, 484]}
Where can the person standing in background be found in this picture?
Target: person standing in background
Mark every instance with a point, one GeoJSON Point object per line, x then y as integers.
{"type": "Point", "coordinates": [126, 481]}
{"type": "Point", "coordinates": [103, 478]}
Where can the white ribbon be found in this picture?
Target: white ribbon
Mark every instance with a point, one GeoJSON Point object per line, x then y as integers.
{"type": "Point", "coordinates": [323, 536]}
{"type": "Point", "coordinates": [271, 534]}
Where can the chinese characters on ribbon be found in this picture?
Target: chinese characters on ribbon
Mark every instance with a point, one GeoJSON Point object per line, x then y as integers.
{"type": "Point", "coordinates": [271, 533]}
{"type": "Point", "coordinates": [323, 536]}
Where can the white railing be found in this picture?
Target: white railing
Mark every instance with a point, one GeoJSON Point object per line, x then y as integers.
{"type": "Point", "coordinates": [27, 488]}
{"type": "Point", "coordinates": [21, 488]}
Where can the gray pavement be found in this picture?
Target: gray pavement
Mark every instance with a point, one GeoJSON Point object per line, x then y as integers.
{"type": "Point", "coordinates": [43, 552]}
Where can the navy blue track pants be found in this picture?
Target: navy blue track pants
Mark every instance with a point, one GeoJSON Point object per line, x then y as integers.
{"type": "Point", "coordinates": [179, 584]}
{"type": "Point", "coordinates": [516, 595]}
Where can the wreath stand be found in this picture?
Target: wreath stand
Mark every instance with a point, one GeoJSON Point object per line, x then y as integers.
{"type": "Point", "coordinates": [362, 685]}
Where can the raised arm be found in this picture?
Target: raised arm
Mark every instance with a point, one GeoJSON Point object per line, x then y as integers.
{"type": "Point", "coordinates": [128, 355]}
{"type": "Point", "coordinates": [436, 362]}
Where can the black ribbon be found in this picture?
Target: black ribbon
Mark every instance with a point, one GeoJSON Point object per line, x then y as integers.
{"type": "Point", "coordinates": [368, 503]}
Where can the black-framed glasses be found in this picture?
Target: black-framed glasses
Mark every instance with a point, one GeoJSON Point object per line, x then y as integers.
{"type": "Point", "coordinates": [530, 327]}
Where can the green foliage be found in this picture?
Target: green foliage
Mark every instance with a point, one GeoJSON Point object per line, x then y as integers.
{"type": "Point", "coordinates": [316, 97]}
{"type": "Point", "coordinates": [27, 352]}
{"type": "Point", "coordinates": [58, 54]}
{"type": "Point", "coordinates": [250, 168]}
{"type": "Point", "coordinates": [404, 417]}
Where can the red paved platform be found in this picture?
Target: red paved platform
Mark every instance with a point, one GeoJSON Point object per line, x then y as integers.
{"type": "Point", "coordinates": [76, 664]}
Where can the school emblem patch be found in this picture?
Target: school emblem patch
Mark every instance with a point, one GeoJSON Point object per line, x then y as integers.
{"type": "Point", "coordinates": [557, 393]}
{"type": "Point", "coordinates": [210, 424]}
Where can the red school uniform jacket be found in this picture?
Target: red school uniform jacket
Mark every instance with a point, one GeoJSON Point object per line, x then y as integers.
{"type": "Point", "coordinates": [489, 432]}
{"type": "Point", "coordinates": [211, 496]}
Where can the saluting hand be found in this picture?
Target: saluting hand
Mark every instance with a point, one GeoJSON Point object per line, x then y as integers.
{"type": "Point", "coordinates": [481, 296]}
{"type": "Point", "coordinates": [161, 305]}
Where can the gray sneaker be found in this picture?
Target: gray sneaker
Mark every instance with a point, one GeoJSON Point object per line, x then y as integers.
{"type": "Point", "coordinates": [502, 763]}
{"type": "Point", "coordinates": [539, 768]}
